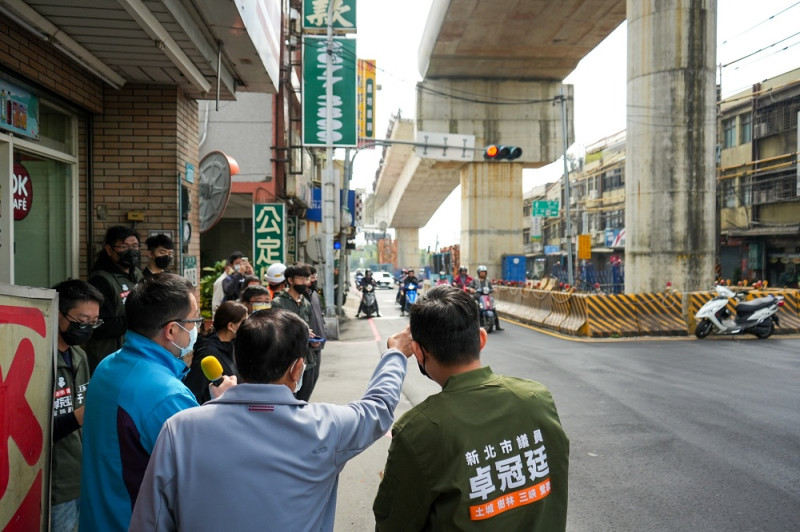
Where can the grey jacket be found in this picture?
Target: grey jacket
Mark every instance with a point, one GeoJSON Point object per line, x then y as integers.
{"type": "Point", "coordinates": [259, 459]}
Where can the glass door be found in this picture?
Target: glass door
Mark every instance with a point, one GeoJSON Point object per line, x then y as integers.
{"type": "Point", "coordinates": [43, 214]}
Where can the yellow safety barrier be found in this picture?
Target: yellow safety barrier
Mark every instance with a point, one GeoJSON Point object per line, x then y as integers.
{"type": "Point", "coordinates": [605, 315]}
{"type": "Point", "coordinates": [611, 315]}
{"type": "Point", "coordinates": [660, 314]}
{"type": "Point", "coordinates": [559, 309]}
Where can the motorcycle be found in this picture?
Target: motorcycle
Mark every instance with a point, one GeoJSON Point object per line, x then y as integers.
{"type": "Point", "coordinates": [369, 305]}
{"type": "Point", "coordinates": [486, 304]}
{"type": "Point", "coordinates": [411, 295]}
{"type": "Point", "coordinates": [757, 316]}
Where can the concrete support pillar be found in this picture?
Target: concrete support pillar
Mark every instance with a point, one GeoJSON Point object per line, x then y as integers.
{"type": "Point", "coordinates": [491, 214]}
{"type": "Point", "coordinates": [407, 247]}
{"type": "Point", "coordinates": [670, 180]}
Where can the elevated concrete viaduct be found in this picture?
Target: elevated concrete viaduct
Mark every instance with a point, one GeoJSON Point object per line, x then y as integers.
{"type": "Point", "coordinates": [493, 69]}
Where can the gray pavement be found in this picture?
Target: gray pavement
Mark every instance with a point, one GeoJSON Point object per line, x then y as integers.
{"type": "Point", "coordinates": [347, 365]}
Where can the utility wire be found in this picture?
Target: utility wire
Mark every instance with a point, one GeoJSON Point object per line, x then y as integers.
{"type": "Point", "coordinates": [760, 50]}
{"type": "Point", "coordinates": [760, 23]}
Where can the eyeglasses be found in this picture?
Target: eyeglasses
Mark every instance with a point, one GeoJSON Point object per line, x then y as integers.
{"type": "Point", "coordinates": [83, 325]}
{"type": "Point", "coordinates": [196, 321]}
{"type": "Point", "coordinates": [126, 247]}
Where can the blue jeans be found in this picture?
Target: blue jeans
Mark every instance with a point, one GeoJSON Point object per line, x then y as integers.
{"type": "Point", "coordinates": [64, 516]}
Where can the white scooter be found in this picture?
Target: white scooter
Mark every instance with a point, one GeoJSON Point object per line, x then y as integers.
{"type": "Point", "coordinates": [756, 316]}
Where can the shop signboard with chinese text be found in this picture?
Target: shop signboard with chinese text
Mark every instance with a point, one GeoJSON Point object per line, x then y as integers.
{"type": "Point", "coordinates": [28, 321]}
{"type": "Point", "coordinates": [291, 238]}
{"type": "Point", "coordinates": [269, 236]}
{"type": "Point", "coordinates": [585, 247]}
{"type": "Point", "coordinates": [344, 126]}
{"type": "Point", "coordinates": [366, 99]}
{"type": "Point", "coordinates": [315, 15]}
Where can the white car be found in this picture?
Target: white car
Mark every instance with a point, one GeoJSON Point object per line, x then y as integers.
{"type": "Point", "coordinates": [384, 279]}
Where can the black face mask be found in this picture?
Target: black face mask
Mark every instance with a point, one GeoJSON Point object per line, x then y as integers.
{"type": "Point", "coordinates": [163, 261]}
{"type": "Point", "coordinates": [130, 258]}
{"type": "Point", "coordinates": [422, 368]}
{"type": "Point", "coordinates": [74, 335]}
{"type": "Point", "coordinates": [313, 286]}
{"type": "Point", "coordinates": [301, 289]}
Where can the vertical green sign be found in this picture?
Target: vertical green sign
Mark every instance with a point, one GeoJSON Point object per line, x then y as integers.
{"type": "Point", "coordinates": [315, 15]}
{"type": "Point", "coordinates": [344, 125]}
{"type": "Point", "coordinates": [291, 238]}
{"type": "Point", "coordinates": [269, 235]}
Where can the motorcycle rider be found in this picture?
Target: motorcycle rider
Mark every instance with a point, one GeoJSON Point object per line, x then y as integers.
{"type": "Point", "coordinates": [363, 283]}
{"type": "Point", "coordinates": [400, 280]}
{"type": "Point", "coordinates": [463, 279]}
{"type": "Point", "coordinates": [411, 279]}
{"type": "Point", "coordinates": [442, 278]}
{"type": "Point", "coordinates": [477, 286]}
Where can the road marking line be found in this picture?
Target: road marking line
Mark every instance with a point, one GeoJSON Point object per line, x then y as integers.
{"type": "Point", "coordinates": [374, 330]}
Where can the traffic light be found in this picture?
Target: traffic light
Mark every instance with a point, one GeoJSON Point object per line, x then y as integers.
{"type": "Point", "coordinates": [496, 152]}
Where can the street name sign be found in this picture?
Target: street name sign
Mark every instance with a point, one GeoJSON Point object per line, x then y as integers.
{"type": "Point", "coordinates": [548, 209]}
{"type": "Point", "coordinates": [445, 146]}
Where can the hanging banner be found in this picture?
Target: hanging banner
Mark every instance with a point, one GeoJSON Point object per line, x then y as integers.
{"type": "Point", "coordinates": [269, 236]}
{"type": "Point", "coordinates": [27, 355]}
{"type": "Point", "coordinates": [344, 127]}
{"type": "Point", "coordinates": [366, 100]}
{"type": "Point", "coordinates": [315, 15]}
{"type": "Point", "coordinates": [19, 110]}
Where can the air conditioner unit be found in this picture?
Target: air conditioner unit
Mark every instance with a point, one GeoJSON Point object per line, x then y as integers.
{"type": "Point", "coordinates": [594, 194]}
{"type": "Point", "coordinates": [759, 130]}
{"type": "Point", "coordinates": [573, 200]}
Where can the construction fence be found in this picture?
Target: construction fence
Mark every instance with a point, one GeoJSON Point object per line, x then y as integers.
{"type": "Point", "coordinates": [618, 315]}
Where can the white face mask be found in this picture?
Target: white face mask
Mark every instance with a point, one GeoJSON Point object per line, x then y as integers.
{"type": "Point", "coordinates": [300, 381]}
{"type": "Point", "coordinates": [192, 339]}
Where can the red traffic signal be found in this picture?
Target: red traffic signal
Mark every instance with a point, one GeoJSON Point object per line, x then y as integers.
{"type": "Point", "coordinates": [495, 152]}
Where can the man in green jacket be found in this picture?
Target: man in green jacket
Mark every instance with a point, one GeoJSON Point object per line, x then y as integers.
{"type": "Point", "coordinates": [115, 273]}
{"type": "Point", "coordinates": [486, 453]}
{"type": "Point", "coordinates": [78, 315]}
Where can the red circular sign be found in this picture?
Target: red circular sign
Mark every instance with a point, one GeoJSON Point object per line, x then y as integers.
{"type": "Point", "coordinates": [22, 188]}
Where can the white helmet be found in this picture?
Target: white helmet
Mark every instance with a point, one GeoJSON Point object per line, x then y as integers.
{"type": "Point", "coordinates": [481, 268]}
{"type": "Point", "coordinates": [274, 273]}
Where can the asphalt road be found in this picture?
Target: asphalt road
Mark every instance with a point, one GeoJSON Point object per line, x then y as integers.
{"type": "Point", "coordinates": [669, 434]}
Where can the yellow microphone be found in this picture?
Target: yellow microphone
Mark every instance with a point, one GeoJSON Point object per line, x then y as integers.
{"type": "Point", "coordinates": [212, 369]}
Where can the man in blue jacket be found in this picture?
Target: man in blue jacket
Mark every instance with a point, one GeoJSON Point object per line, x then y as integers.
{"type": "Point", "coordinates": [132, 393]}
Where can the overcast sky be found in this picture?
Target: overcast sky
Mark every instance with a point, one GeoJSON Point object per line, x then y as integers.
{"type": "Point", "coordinates": [389, 31]}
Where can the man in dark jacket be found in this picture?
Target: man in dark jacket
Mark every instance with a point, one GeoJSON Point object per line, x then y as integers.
{"type": "Point", "coordinates": [78, 315]}
{"type": "Point", "coordinates": [317, 324]}
{"type": "Point", "coordinates": [298, 279]}
{"type": "Point", "coordinates": [115, 273]}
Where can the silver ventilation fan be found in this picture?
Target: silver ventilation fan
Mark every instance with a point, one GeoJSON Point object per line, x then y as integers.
{"type": "Point", "coordinates": [216, 170]}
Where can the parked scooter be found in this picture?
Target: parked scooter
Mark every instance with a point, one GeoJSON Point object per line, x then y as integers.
{"type": "Point", "coordinates": [486, 304]}
{"type": "Point", "coordinates": [757, 316]}
{"type": "Point", "coordinates": [369, 305]}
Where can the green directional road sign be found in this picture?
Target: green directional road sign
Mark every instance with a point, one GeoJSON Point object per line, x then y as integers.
{"type": "Point", "coordinates": [548, 209]}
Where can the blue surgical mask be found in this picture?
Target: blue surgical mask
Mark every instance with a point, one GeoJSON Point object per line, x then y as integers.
{"type": "Point", "coordinates": [192, 339]}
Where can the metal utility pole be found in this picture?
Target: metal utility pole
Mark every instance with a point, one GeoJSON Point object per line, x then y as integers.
{"type": "Point", "coordinates": [571, 272]}
{"type": "Point", "coordinates": [328, 182]}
